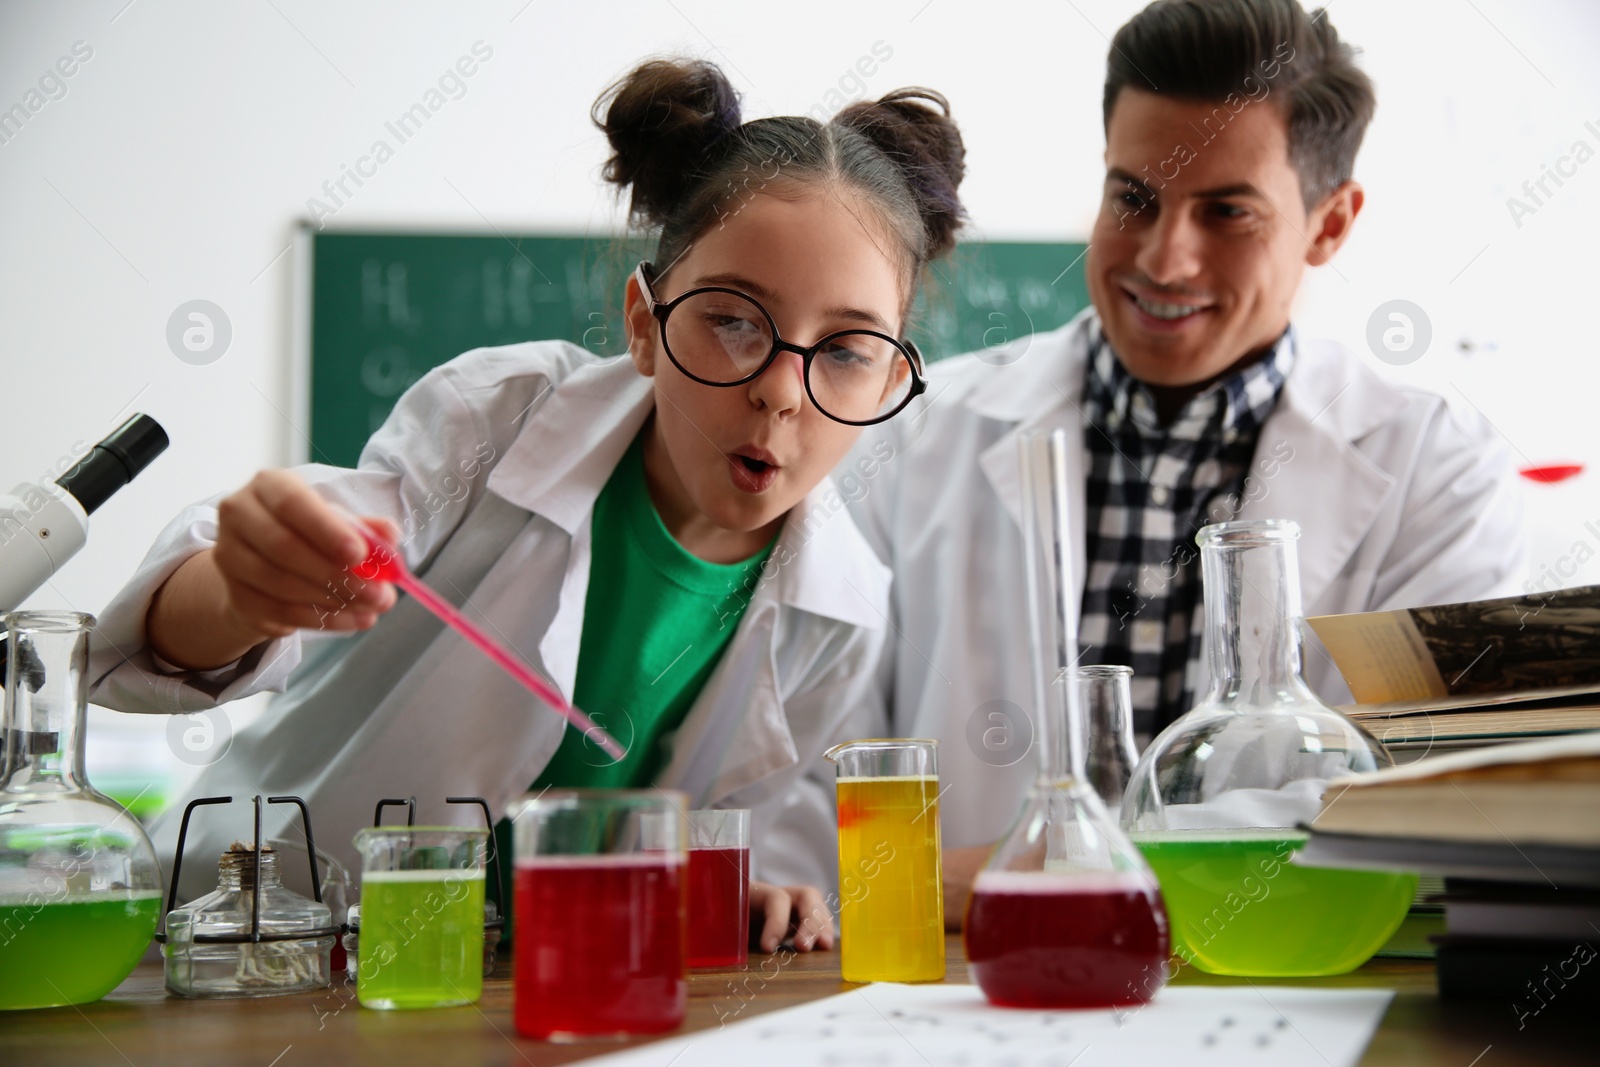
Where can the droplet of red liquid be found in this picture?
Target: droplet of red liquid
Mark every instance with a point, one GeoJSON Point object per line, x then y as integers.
{"type": "Point", "coordinates": [382, 564]}
{"type": "Point", "coordinates": [1558, 472]}
{"type": "Point", "coordinates": [850, 812]}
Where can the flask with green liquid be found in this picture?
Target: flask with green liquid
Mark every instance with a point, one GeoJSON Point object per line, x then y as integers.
{"type": "Point", "coordinates": [1218, 802]}
{"type": "Point", "coordinates": [79, 886]}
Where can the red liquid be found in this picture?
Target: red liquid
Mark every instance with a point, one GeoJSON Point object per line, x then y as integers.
{"type": "Point", "coordinates": [598, 946]}
{"type": "Point", "coordinates": [1066, 941]}
{"type": "Point", "coordinates": [719, 907]}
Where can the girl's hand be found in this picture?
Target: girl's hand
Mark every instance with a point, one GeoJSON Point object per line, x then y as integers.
{"type": "Point", "coordinates": [280, 564]}
{"type": "Point", "coordinates": [789, 913]}
{"type": "Point", "coordinates": [283, 555]}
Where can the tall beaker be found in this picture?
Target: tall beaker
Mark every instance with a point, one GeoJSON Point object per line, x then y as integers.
{"type": "Point", "coordinates": [1219, 798]}
{"type": "Point", "coordinates": [80, 889]}
{"type": "Point", "coordinates": [891, 893]}
{"type": "Point", "coordinates": [1065, 914]}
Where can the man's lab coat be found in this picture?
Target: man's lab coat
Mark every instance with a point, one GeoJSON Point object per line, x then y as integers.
{"type": "Point", "coordinates": [491, 464]}
{"type": "Point", "coordinates": [1401, 502]}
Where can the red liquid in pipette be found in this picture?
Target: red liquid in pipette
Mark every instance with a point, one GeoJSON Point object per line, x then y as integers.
{"type": "Point", "coordinates": [385, 564]}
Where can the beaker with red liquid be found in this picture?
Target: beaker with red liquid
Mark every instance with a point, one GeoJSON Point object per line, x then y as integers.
{"type": "Point", "coordinates": [598, 947]}
{"type": "Point", "coordinates": [719, 887]}
{"type": "Point", "coordinates": [1065, 913]}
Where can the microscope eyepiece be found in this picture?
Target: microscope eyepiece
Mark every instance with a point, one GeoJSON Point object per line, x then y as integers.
{"type": "Point", "coordinates": [115, 461]}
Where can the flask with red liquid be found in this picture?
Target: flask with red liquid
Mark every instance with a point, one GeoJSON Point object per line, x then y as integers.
{"type": "Point", "coordinates": [1065, 914]}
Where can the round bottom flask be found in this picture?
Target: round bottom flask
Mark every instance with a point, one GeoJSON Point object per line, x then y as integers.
{"type": "Point", "coordinates": [1220, 800]}
{"type": "Point", "coordinates": [80, 890]}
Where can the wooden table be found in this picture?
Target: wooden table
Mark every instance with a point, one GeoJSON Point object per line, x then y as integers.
{"type": "Point", "coordinates": [139, 1025]}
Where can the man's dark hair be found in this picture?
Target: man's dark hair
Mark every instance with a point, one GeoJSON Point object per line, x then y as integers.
{"type": "Point", "coordinates": [1205, 50]}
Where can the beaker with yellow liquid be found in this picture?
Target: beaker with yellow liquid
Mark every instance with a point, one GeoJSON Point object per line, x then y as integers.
{"type": "Point", "coordinates": [891, 893]}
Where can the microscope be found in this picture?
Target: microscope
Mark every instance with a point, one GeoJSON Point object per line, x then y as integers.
{"type": "Point", "coordinates": [43, 524]}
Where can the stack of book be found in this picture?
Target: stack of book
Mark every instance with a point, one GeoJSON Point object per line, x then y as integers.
{"type": "Point", "coordinates": [1514, 830]}
{"type": "Point", "coordinates": [1468, 675]}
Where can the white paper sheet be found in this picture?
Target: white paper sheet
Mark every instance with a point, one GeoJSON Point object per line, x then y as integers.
{"type": "Point", "coordinates": [888, 1025]}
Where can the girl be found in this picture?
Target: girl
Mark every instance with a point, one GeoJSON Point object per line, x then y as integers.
{"type": "Point", "coordinates": [657, 535]}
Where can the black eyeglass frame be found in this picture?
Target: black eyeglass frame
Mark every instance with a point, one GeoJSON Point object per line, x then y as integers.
{"type": "Point", "coordinates": [660, 310]}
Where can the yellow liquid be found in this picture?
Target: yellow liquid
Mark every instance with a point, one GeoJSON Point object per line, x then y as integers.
{"type": "Point", "coordinates": [891, 897]}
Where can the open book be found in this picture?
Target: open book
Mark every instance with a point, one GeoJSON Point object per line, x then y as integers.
{"type": "Point", "coordinates": [1490, 669]}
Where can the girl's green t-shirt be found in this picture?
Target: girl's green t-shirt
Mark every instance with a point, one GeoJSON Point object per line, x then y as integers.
{"type": "Point", "coordinates": [655, 622]}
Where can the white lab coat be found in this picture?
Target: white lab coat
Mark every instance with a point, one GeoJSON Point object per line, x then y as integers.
{"type": "Point", "coordinates": [1401, 503]}
{"type": "Point", "coordinates": [492, 464]}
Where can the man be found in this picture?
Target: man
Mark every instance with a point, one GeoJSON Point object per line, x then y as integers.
{"type": "Point", "coordinates": [1231, 131]}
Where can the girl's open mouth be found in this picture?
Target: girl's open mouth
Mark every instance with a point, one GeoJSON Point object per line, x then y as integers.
{"type": "Point", "coordinates": [752, 471]}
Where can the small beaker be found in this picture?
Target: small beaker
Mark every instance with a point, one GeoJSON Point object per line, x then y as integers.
{"type": "Point", "coordinates": [421, 916]}
{"type": "Point", "coordinates": [598, 945]}
{"type": "Point", "coordinates": [719, 887]}
{"type": "Point", "coordinates": [1107, 702]}
{"type": "Point", "coordinates": [891, 896]}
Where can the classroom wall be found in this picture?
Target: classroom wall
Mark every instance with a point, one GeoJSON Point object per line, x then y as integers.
{"type": "Point", "coordinates": [174, 161]}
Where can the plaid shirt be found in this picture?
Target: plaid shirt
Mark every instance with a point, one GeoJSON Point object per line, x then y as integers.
{"type": "Point", "coordinates": [1150, 488]}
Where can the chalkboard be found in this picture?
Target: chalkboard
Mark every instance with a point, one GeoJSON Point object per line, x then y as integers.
{"type": "Point", "coordinates": [384, 308]}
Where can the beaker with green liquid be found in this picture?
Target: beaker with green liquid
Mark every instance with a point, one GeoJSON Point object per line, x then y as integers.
{"type": "Point", "coordinates": [1219, 800]}
{"type": "Point", "coordinates": [80, 889]}
{"type": "Point", "coordinates": [421, 916]}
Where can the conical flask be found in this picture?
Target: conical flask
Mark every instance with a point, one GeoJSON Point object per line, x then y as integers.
{"type": "Point", "coordinates": [1065, 914]}
{"type": "Point", "coordinates": [80, 890]}
{"type": "Point", "coordinates": [1219, 800]}
{"type": "Point", "coordinates": [1107, 706]}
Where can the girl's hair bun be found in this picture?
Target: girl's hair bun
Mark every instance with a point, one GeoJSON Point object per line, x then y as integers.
{"type": "Point", "coordinates": [914, 129]}
{"type": "Point", "coordinates": [664, 120]}
{"type": "Point", "coordinates": [679, 146]}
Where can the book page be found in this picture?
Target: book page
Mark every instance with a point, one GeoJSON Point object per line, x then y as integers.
{"type": "Point", "coordinates": [1479, 723]}
{"type": "Point", "coordinates": [1561, 697]}
{"type": "Point", "coordinates": [1463, 655]}
{"type": "Point", "coordinates": [1547, 750]}
{"type": "Point", "coordinates": [1381, 655]}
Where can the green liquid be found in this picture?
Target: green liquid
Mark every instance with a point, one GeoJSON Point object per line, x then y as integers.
{"type": "Point", "coordinates": [1239, 907]}
{"type": "Point", "coordinates": [71, 951]}
{"type": "Point", "coordinates": [421, 938]}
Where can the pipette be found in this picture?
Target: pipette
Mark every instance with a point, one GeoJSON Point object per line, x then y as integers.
{"type": "Point", "coordinates": [385, 564]}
